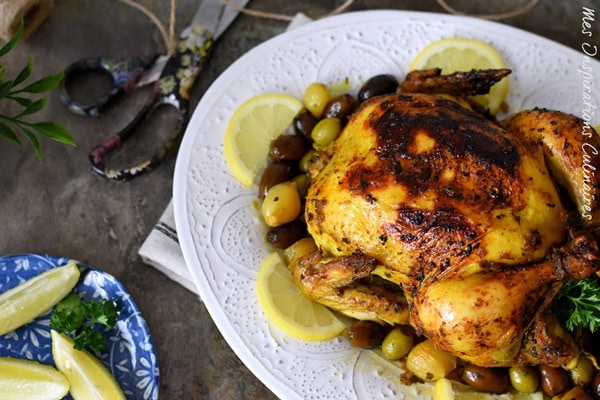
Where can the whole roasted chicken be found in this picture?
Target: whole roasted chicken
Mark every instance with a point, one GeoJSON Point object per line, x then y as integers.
{"type": "Point", "coordinates": [427, 212]}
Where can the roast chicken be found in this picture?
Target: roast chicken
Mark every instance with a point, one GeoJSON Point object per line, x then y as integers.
{"type": "Point", "coordinates": [427, 212]}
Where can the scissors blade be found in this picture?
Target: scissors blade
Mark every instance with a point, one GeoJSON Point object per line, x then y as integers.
{"type": "Point", "coordinates": [153, 74]}
{"type": "Point", "coordinates": [231, 11]}
{"type": "Point", "coordinates": [215, 15]}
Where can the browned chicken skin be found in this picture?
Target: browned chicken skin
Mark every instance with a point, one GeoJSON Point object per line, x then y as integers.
{"type": "Point", "coordinates": [463, 216]}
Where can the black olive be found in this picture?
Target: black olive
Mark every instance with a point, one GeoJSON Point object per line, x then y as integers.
{"type": "Point", "coordinates": [285, 235]}
{"type": "Point", "coordinates": [288, 148]}
{"type": "Point", "coordinates": [553, 380]}
{"type": "Point", "coordinates": [596, 385]}
{"type": "Point", "coordinates": [378, 85]}
{"type": "Point", "coordinates": [366, 334]}
{"type": "Point", "coordinates": [340, 107]}
{"type": "Point", "coordinates": [492, 380]}
{"type": "Point", "coordinates": [304, 123]}
{"type": "Point", "coordinates": [276, 172]}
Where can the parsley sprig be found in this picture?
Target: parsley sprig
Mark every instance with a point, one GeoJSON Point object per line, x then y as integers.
{"type": "Point", "coordinates": [77, 318]}
{"type": "Point", "coordinates": [578, 304]}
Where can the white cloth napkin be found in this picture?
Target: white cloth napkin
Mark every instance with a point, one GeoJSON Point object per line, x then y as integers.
{"type": "Point", "coordinates": [161, 248]}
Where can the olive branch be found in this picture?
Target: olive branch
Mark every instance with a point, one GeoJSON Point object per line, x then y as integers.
{"type": "Point", "coordinates": [11, 90]}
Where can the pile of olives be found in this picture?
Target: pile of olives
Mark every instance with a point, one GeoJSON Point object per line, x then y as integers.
{"type": "Point", "coordinates": [428, 363]}
{"type": "Point", "coordinates": [284, 182]}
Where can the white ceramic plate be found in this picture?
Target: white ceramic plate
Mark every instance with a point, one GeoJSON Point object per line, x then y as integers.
{"type": "Point", "coordinates": [221, 240]}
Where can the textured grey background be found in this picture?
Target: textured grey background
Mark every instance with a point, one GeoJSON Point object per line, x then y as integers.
{"type": "Point", "coordinates": [58, 206]}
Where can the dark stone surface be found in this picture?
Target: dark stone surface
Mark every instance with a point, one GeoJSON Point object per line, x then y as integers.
{"type": "Point", "coordinates": [56, 205]}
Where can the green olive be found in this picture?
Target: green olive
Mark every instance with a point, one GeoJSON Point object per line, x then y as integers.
{"type": "Point", "coordinates": [307, 160]}
{"type": "Point", "coordinates": [583, 373]}
{"type": "Point", "coordinates": [524, 379]}
{"type": "Point", "coordinates": [316, 98]}
{"type": "Point", "coordinates": [326, 131]}
{"type": "Point", "coordinates": [397, 344]}
{"type": "Point", "coordinates": [302, 183]}
{"type": "Point", "coordinates": [282, 204]}
{"type": "Point", "coordinates": [299, 249]}
{"type": "Point", "coordinates": [429, 362]}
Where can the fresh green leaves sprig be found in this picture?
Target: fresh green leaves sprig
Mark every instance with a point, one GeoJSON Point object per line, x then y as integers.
{"type": "Point", "coordinates": [77, 318]}
{"type": "Point", "coordinates": [10, 90]}
{"type": "Point", "coordinates": [578, 304]}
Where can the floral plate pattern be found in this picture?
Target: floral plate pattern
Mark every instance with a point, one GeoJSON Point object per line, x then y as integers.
{"type": "Point", "coordinates": [130, 352]}
{"type": "Point", "coordinates": [221, 238]}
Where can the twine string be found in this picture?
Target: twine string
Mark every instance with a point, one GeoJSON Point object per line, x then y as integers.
{"type": "Point", "coordinates": [348, 3]}
{"type": "Point", "coordinates": [169, 37]}
{"type": "Point", "coordinates": [159, 25]}
{"type": "Point", "coordinates": [498, 16]}
{"type": "Point", "coordinates": [172, 26]}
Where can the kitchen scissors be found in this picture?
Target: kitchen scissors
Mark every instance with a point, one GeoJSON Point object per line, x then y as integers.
{"type": "Point", "coordinates": [172, 76]}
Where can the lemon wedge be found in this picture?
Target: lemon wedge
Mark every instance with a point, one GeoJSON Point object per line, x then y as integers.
{"type": "Point", "coordinates": [89, 378]}
{"type": "Point", "coordinates": [24, 379]}
{"type": "Point", "coordinates": [460, 54]}
{"type": "Point", "coordinates": [32, 298]}
{"type": "Point", "coordinates": [290, 310]}
{"type": "Point", "coordinates": [252, 128]}
{"type": "Point", "coordinates": [446, 389]}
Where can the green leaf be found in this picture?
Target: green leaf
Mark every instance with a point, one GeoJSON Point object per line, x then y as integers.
{"type": "Point", "coordinates": [25, 72]}
{"type": "Point", "coordinates": [7, 132]}
{"type": "Point", "coordinates": [33, 107]}
{"type": "Point", "coordinates": [68, 314]}
{"type": "Point", "coordinates": [25, 102]}
{"type": "Point", "coordinates": [577, 304]}
{"type": "Point", "coordinates": [34, 142]}
{"type": "Point", "coordinates": [13, 42]}
{"type": "Point", "coordinates": [43, 85]}
{"type": "Point", "coordinates": [90, 338]}
{"type": "Point", "coordinates": [77, 318]}
{"type": "Point", "coordinates": [5, 88]}
{"type": "Point", "coordinates": [54, 131]}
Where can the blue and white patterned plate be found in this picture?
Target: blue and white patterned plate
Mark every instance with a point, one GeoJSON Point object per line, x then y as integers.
{"type": "Point", "coordinates": [129, 353]}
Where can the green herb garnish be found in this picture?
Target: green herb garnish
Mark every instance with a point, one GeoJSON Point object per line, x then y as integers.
{"type": "Point", "coordinates": [578, 304]}
{"type": "Point", "coordinates": [77, 318]}
{"type": "Point", "coordinates": [15, 91]}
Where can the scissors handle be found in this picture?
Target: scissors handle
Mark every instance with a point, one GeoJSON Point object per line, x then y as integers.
{"type": "Point", "coordinates": [173, 89]}
{"type": "Point", "coordinates": [125, 74]}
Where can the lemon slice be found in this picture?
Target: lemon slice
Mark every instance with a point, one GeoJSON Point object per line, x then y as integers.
{"type": "Point", "coordinates": [290, 310]}
{"type": "Point", "coordinates": [446, 389]}
{"type": "Point", "coordinates": [89, 378]}
{"type": "Point", "coordinates": [459, 54]}
{"type": "Point", "coordinates": [24, 379]}
{"type": "Point", "coordinates": [252, 128]}
{"type": "Point", "coordinates": [32, 298]}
